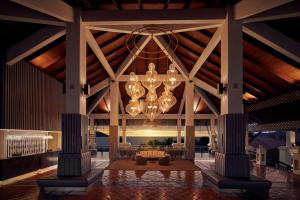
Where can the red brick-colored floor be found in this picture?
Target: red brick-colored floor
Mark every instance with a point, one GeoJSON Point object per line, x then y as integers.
{"type": "Point", "coordinates": [140, 185]}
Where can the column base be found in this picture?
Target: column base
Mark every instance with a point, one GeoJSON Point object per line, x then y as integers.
{"type": "Point", "coordinates": [232, 165]}
{"type": "Point", "coordinates": [57, 186]}
{"type": "Point", "coordinates": [73, 164]}
{"type": "Point", "coordinates": [253, 187]}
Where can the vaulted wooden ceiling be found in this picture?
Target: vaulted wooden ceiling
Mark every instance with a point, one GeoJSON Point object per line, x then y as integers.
{"type": "Point", "coordinates": [266, 72]}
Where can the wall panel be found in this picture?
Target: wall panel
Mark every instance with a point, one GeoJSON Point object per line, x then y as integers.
{"type": "Point", "coordinates": [31, 99]}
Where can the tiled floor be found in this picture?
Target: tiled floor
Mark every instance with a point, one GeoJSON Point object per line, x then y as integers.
{"type": "Point", "coordinates": [140, 185]}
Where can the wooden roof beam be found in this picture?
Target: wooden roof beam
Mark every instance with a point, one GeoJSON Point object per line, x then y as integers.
{"type": "Point", "coordinates": [208, 101]}
{"type": "Point", "coordinates": [33, 43]}
{"type": "Point", "coordinates": [130, 58]}
{"type": "Point", "coordinates": [181, 103]}
{"type": "Point", "coordinates": [171, 55]}
{"type": "Point", "coordinates": [248, 8]}
{"type": "Point", "coordinates": [206, 87]}
{"type": "Point", "coordinates": [161, 77]}
{"type": "Point", "coordinates": [142, 116]}
{"type": "Point", "coordinates": [143, 17]}
{"type": "Point", "coordinates": [97, 100]}
{"type": "Point", "coordinates": [121, 103]}
{"type": "Point", "coordinates": [99, 54]}
{"type": "Point", "coordinates": [14, 12]}
{"type": "Point", "coordinates": [55, 8]}
{"type": "Point", "coordinates": [274, 39]}
{"type": "Point", "coordinates": [174, 28]}
{"type": "Point", "coordinates": [99, 86]}
{"type": "Point", "coordinates": [286, 11]}
{"type": "Point", "coordinates": [214, 41]}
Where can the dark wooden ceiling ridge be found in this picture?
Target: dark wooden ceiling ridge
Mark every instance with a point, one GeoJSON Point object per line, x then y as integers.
{"type": "Point", "coordinates": [273, 78]}
{"type": "Point", "coordinates": [274, 81]}
{"type": "Point", "coordinates": [121, 39]}
{"type": "Point", "coordinates": [48, 69]}
{"type": "Point", "coordinates": [210, 70]}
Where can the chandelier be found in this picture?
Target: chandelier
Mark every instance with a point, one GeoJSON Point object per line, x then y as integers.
{"type": "Point", "coordinates": [166, 101]}
{"type": "Point", "coordinates": [172, 80]}
{"type": "Point", "coordinates": [152, 105]}
{"type": "Point", "coordinates": [134, 88]}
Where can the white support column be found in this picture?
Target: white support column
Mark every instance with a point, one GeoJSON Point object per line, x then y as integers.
{"type": "Point", "coordinates": [75, 159]}
{"type": "Point", "coordinates": [75, 67]}
{"type": "Point", "coordinates": [124, 130]}
{"type": "Point", "coordinates": [232, 122]}
{"type": "Point", "coordinates": [189, 121]}
{"type": "Point", "coordinates": [114, 120]}
{"type": "Point", "coordinates": [179, 131]}
{"type": "Point", "coordinates": [232, 66]}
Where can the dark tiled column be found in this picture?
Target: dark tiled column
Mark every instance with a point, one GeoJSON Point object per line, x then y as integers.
{"type": "Point", "coordinates": [113, 142]}
{"type": "Point", "coordinates": [190, 142]}
{"type": "Point", "coordinates": [231, 160]}
{"type": "Point", "coordinates": [75, 159]}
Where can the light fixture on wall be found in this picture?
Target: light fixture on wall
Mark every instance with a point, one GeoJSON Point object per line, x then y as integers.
{"type": "Point", "coordinates": [86, 89]}
{"type": "Point", "coordinates": [220, 88]}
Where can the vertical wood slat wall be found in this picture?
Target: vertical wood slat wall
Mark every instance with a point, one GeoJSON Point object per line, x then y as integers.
{"type": "Point", "coordinates": [32, 100]}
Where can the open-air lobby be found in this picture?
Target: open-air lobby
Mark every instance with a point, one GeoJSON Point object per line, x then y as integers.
{"type": "Point", "coordinates": [149, 99]}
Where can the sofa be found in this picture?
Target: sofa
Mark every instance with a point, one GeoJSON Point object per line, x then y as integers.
{"type": "Point", "coordinates": [142, 157]}
{"type": "Point", "coordinates": [152, 154]}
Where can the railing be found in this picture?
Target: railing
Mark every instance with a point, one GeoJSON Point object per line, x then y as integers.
{"type": "Point", "coordinates": [283, 166]}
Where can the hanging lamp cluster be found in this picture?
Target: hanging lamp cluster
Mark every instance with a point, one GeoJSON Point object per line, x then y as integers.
{"type": "Point", "coordinates": [151, 106]}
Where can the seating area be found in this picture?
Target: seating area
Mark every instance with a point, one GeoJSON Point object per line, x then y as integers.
{"type": "Point", "coordinates": [143, 156]}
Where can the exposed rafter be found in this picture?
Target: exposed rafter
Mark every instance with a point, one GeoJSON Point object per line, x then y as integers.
{"type": "Point", "coordinates": [121, 103]}
{"type": "Point", "coordinates": [181, 103]}
{"type": "Point", "coordinates": [130, 58]}
{"type": "Point", "coordinates": [275, 101]}
{"type": "Point", "coordinates": [143, 17]}
{"type": "Point", "coordinates": [274, 39]}
{"type": "Point", "coordinates": [161, 77]}
{"type": "Point", "coordinates": [276, 126]}
{"type": "Point", "coordinates": [14, 12]}
{"type": "Point", "coordinates": [286, 11]}
{"type": "Point", "coordinates": [206, 87]}
{"type": "Point", "coordinates": [33, 43]}
{"type": "Point", "coordinates": [207, 100]}
{"type": "Point", "coordinates": [248, 8]}
{"type": "Point", "coordinates": [171, 55]}
{"type": "Point", "coordinates": [55, 8]}
{"type": "Point", "coordinates": [97, 100]}
{"type": "Point", "coordinates": [98, 52]}
{"type": "Point", "coordinates": [173, 28]}
{"type": "Point", "coordinates": [164, 116]}
{"type": "Point", "coordinates": [99, 86]}
{"type": "Point", "coordinates": [206, 52]}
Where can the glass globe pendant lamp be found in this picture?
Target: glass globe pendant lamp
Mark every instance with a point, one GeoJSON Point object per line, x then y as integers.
{"type": "Point", "coordinates": [151, 95]}
{"type": "Point", "coordinates": [166, 101]}
{"type": "Point", "coordinates": [172, 78]}
{"type": "Point", "coordinates": [133, 87]}
{"type": "Point", "coordinates": [133, 108]}
{"type": "Point", "coordinates": [151, 78]}
{"type": "Point", "coordinates": [151, 109]}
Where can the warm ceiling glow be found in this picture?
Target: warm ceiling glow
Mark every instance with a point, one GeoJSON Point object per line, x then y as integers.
{"type": "Point", "coordinates": [249, 97]}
